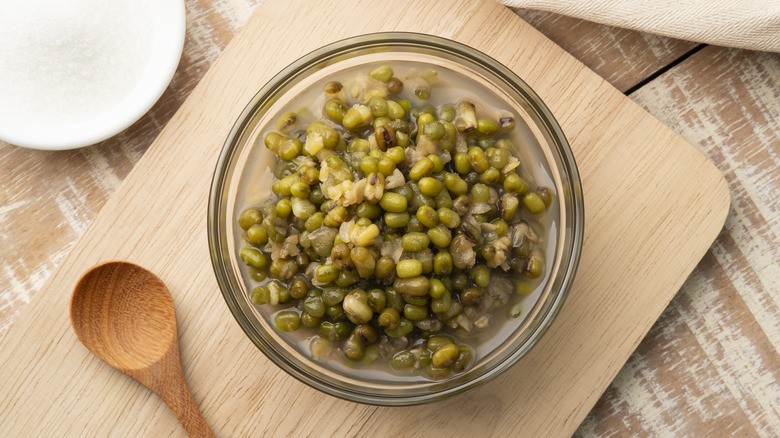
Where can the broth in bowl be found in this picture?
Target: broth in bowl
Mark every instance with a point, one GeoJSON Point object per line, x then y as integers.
{"type": "Point", "coordinates": [404, 227]}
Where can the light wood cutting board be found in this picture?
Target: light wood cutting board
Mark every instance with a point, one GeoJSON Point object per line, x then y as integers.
{"type": "Point", "coordinates": [653, 206]}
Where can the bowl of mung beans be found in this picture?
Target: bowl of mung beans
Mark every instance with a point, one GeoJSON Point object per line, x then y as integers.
{"type": "Point", "coordinates": [395, 218]}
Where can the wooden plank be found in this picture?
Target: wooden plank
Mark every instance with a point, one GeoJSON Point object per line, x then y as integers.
{"type": "Point", "coordinates": [616, 298]}
{"type": "Point", "coordinates": [621, 56]}
{"type": "Point", "coordinates": [709, 366]}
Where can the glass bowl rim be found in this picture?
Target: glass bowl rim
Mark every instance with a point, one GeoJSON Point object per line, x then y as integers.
{"type": "Point", "coordinates": [300, 66]}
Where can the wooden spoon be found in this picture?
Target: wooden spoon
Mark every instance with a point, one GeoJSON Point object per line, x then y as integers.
{"type": "Point", "coordinates": [124, 314]}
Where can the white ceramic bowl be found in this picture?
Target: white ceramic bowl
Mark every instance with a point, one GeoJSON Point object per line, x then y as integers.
{"type": "Point", "coordinates": [167, 30]}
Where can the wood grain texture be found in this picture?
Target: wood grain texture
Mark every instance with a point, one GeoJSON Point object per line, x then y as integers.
{"type": "Point", "coordinates": [621, 56]}
{"type": "Point", "coordinates": [47, 200]}
{"type": "Point", "coordinates": [711, 364]}
{"type": "Point", "coordinates": [628, 228]}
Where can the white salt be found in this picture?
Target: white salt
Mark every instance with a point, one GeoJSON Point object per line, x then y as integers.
{"type": "Point", "coordinates": [70, 61]}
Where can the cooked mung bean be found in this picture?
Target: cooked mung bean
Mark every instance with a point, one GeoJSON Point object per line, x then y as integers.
{"type": "Point", "coordinates": [402, 225]}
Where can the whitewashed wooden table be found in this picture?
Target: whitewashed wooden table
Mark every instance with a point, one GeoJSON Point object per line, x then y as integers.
{"type": "Point", "coordinates": [709, 367]}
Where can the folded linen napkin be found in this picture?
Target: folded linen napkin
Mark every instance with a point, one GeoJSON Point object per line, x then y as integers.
{"type": "Point", "coordinates": [748, 24]}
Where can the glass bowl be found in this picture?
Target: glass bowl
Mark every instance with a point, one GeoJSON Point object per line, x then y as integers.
{"type": "Point", "coordinates": [240, 181]}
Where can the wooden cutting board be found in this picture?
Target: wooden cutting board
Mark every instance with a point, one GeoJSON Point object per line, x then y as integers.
{"type": "Point", "coordinates": [653, 206]}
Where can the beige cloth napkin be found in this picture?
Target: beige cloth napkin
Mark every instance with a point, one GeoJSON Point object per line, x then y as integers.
{"type": "Point", "coordinates": [748, 24]}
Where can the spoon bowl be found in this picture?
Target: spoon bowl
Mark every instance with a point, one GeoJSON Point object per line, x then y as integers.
{"type": "Point", "coordinates": [124, 314]}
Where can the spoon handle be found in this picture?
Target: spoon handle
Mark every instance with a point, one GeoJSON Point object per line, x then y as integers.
{"type": "Point", "coordinates": [175, 393]}
{"type": "Point", "coordinates": [187, 411]}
